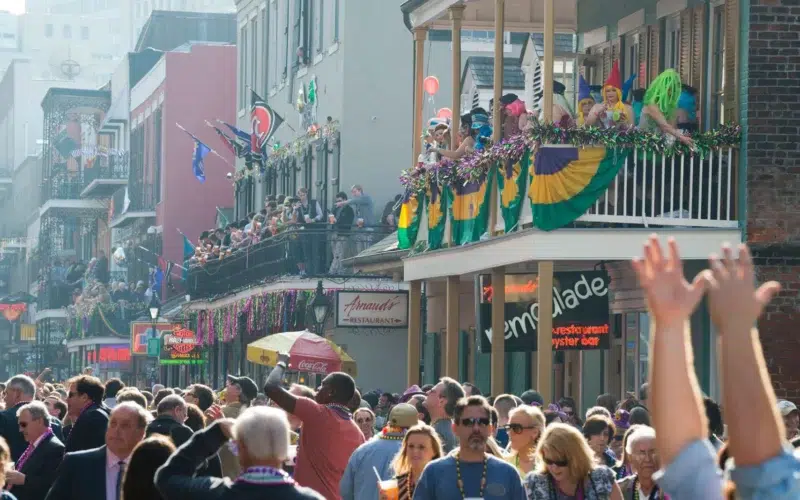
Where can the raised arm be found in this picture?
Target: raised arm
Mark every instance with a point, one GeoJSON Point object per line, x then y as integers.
{"type": "Point", "coordinates": [747, 392]}
{"type": "Point", "coordinates": [274, 386]}
{"type": "Point", "coordinates": [657, 116]}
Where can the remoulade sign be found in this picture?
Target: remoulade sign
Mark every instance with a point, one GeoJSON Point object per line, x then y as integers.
{"type": "Point", "coordinates": [372, 309]}
{"type": "Point", "coordinates": [580, 311]}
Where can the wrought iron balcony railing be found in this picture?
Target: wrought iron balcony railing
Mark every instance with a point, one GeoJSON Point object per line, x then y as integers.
{"type": "Point", "coordinates": [313, 250]}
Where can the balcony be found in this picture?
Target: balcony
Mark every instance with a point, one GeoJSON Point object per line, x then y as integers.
{"type": "Point", "coordinates": [283, 255]}
{"type": "Point", "coordinates": [61, 194]}
{"type": "Point", "coordinates": [108, 319]}
{"type": "Point", "coordinates": [108, 173]}
{"type": "Point", "coordinates": [136, 201]}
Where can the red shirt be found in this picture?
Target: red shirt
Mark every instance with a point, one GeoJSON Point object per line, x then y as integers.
{"type": "Point", "coordinates": [326, 442]}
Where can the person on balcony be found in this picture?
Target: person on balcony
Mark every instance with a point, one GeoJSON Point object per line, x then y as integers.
{"type": "Point", "coordinates": [661, 104]}
{"type": "Point", "coordinates": [585, 101]}
{"type": "Point", "coordinates": [562, 111]}
{"type": "Point", "coordinates": [514, 116]}
{"type": "Point", "coordinates": [342, 220]}
{"type": "Point", "coordinates": [612, 112]}
{"type": "Point", "coordinates": [686, 114]}
{"type": "Point", "coordinates": [364, 209]}
{"type": "Point", "coordinates": [467, 136]}
{"type": "Point", "coordinates": [101, 273]}
{"type": "Point", "coordinates": [310, 212]}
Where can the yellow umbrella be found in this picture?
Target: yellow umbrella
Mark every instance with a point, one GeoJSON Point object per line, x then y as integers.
{"type": "Point", "coordinates": [309, 353]}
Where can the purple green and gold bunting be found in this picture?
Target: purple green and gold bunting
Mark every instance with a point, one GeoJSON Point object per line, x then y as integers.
{"type": "Point", "coordinates": [512, 179]}
{"type": "Point", "coordinates": [409, 220]}
{"type": "Point", "coordinates": [437, 201]}
{"type": "Point", "coordinates": [469, 210]}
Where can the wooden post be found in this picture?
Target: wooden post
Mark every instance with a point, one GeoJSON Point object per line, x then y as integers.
{"type": "Point", "coordinates": [497, 122]}
{"type": "Point", "coordinates": [414, 332]}
{"type": "Point", "coordinates": [456, 15]}
{"type": "Point", "coordinates": [544, 331]}
{"type": "Point", "coordinates": [420, 35]}
{"type": "Point", "coordinates": [549, 53]}
{"type": "Point", "coordinates": [452, 334]}
{"type": "Point", "coordinates": [498, 331]}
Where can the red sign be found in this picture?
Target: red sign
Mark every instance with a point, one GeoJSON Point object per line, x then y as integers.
{"type": "Point", "coordinates": [12, 312]}
{"type": "Point", "coordinates": [109, 354]}
{"type": "Point", "coordinates": [179, 347]}
{"type": "Point", "coordinates": [313, 366]}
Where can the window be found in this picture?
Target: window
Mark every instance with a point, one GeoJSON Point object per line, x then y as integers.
{"type": "Point", "coordinates": [631, 62]}
{"type": "Point", "coordinates": [254, 69]}
{"type": "Point", "coordinates": [265, 48]}
{"type": "Point", "coordinates": [48, 30]}
{"type": "Point", "coordinates": [84, 32]}
{"type": "Point", "coordinates": [319, 24]}
{"type": "Point", "coordinates": [272, 46]}
{"type": "Point", "coordinates": [718, 65]}
{"type": "Point", "coordinates": [242, 65]}
{"type": "Point", "coordinates": [336, 20]}
{"type": "Point", "coordinates": [285, 46]}
{"type": "Point", "coordinates": [157, 159]}
{"type": "Point", "coordinates": [67, 31]}
{"type": "Point", "coordinates": [672, 43]}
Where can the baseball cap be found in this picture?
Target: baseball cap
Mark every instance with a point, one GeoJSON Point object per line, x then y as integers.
{"type": "Point", "coordinates": [403, 415]}
{"type": "Point", "coordinates": [249, 388]}
{"type": "Point", "coordinates": [786, 407]}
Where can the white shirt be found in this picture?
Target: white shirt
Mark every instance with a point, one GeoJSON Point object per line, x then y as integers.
{"type": "Point", "coordinates": [112, 470]}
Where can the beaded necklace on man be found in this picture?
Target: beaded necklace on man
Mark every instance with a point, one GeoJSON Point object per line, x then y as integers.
{"type": "Point", "coordinates": [392, 433]}
{"type": "Point", "coordinates": [341, 410]}
{"type": "Point", "coordinates": [460, 481]}
{"type": "Point", "coordinates": [264, 476]}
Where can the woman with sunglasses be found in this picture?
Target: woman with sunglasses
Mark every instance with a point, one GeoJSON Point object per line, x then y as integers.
{"type": "Point", "coordinates": [525, 427]}
{"type": "Point", "coordinates": [420, 445]}
{"type": "Point", "coordinates": [566, 469]}
{"type": "Point", "coordinates": [365, 420]}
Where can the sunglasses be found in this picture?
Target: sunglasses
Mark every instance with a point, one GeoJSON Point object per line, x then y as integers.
{"type": "Point", "coordinates": [363, 420]}
{"type": "Point", "coordinates": [518, 428]}
{"type": "Point", "coordinates": [470, 422]}
{"type": "Point", "coordinates": [619, 438]}
{"type": "Point", "coordinates": [557, 463]}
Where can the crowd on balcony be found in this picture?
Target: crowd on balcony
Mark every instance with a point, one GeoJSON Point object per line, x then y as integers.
{"type": "Point", "coordinates": [315, 240]}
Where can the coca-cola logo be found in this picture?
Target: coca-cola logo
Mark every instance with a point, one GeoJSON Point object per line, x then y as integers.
{"type": "Point", "coordinates": [312, 366]}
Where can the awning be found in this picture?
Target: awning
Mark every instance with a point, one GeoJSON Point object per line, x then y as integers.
{"type": "Point", "coordinates": [309, 353]}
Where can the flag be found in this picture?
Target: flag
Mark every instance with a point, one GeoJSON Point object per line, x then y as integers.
{"type": "Point", "coordinates": [265, 122]}
{"type": "Point", "coordinates": [409, 219]}
{"type": "Point", "coordinates": [229, 143]}
{"type": "Point", "coordinates": [223, 220]}
{"type": "Point", "coordinates": [188, 252]}
{"type": "Point", "coordinates": [168, 274]}
{"type": "Point", "coordinates": [239, 133]}
{"type": "Point", "coordinates": [198, 157]}
{"type": "Point", "coordinates": [312, 92]}
{"type": "Point", "coordinates": [437, 208]}
{"type": "Point", "coordinates": [566, 181]}
{"type": "Point", "coordinates": [512, 179]}
{"type": "Point", "coordinates": [469, 210]}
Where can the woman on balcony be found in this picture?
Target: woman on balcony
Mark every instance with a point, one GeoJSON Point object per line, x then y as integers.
{"type": "Point", "coordinates": [661, 104]}
{"type": "Point", "coordinates": [467, 145]}
{"type": "Point", "coordinates": [612, 112]}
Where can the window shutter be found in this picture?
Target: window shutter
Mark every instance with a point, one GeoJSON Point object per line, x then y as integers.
{"type": "Point", "coordinates": [608, 61]}
{"type": "Point", "coordinates": [685, 50]}
{"type": "Point", "coordinates": [698, 52]}
{"type": "Point", "coordinates": [731, 69]}
{"type": "Point", "coordinates": [653, 52]}
{"type": "Point", "coordinates": [616, 54]}
{"type": "Point", "coordinates": [644, 37]}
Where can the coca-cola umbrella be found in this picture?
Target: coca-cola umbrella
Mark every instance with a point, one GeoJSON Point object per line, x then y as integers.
{"type": "Point", "coordinates": [309, 353]}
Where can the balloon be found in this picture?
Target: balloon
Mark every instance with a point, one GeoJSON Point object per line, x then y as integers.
{"type": "Point", "coordinates": [445, 114]}
{"type": "Point", "coordinates": [431, 85]}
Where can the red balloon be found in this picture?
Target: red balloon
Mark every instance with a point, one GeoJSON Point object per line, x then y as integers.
{"type": "Point", "coordinates": [445, 114]}
{"type": "Point", "coordinates": [431, 85]}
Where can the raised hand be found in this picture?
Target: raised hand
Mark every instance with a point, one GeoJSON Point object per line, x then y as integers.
{"type": "Point", "coordinates": [670, 297]}
{"type": "Point", "coordinates": [733, 298]}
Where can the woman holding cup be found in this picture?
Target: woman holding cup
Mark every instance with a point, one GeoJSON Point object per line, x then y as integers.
{"type": "Point", "coordinates": [421, 445]}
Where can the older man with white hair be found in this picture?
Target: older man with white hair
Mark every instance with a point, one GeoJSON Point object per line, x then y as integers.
{"type": "Point", "coordinates": [643, 459]}
{"type": "Point", "coordinates": [261, 435]}
{"type": "Point", "coordinates": [20, 390]}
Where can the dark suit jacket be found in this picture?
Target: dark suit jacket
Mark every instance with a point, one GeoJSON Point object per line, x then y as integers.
{"type": "Point", "coordinates": [89, 431]}
{"type": "Point", "coordinates": [40, 470]}
{"type": "Point", "coordinates": [180, 433]}
{"type": "Point", "coordinates": [81, 476]}
{"type": "Point", "coordinates": [9, 429]}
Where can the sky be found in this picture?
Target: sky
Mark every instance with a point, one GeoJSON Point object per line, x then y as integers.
{"type": "Point", "coordinates": [16, 6]}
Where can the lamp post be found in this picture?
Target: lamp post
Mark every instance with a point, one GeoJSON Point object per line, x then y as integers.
{"type": "Point", "coordinates": [321, 307]}
{"type": "Point", "coordinates": [155, 312]}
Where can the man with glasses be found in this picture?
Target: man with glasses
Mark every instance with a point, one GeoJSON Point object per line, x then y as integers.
{"type": "Point", "coordinates": [35, 471]}
{"type": "Point", "coordinates": [470, 472]}
{"type": "Point", "coordinates": [644, 462]}
{"type": "Point", "coordinates": [20, 390]}
{"type": "Point", "coordinates": [89, 414]}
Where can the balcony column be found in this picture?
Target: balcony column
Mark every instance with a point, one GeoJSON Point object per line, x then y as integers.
{"type": "Point", "coordinates": [497, 121]}
{"type": "Point", "coordinates": [420, 35]}
{"type": "Point", "coordinates": [456, 15]}
{"type": "Point", "coordinates": [414, 327]}
{"type": "Point", "coordinates": [498, 330]}
{"type": "Point", "coordinates": [452, 335]}
{"type": "Point", "coordinates": [544, 329]}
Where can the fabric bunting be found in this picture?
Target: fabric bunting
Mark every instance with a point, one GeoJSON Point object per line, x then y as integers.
{"type": "Point", "coordinates": [567, 180]}
{"type": "Point", "coordinates": [512, 180]}
{"type": "Point", "coordinates": [409, 220]}
{"type": "Point", "coordinates": [469, 210]}
{"type": "Point", "coordinates": [437, 199]}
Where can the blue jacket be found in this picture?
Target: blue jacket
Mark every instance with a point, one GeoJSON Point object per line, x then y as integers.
{"type": "Point", "coordinates": [359, 481]}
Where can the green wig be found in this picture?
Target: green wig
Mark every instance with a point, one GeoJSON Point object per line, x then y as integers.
{"type": "Point", "coordinates": [664, 92]}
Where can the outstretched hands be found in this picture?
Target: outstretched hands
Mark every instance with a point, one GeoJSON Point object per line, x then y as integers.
{"type": "Point", "coordinates": [733, 299]}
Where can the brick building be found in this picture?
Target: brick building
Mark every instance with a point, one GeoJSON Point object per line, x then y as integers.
{"type": "Point", "coordinates": [773, 178]}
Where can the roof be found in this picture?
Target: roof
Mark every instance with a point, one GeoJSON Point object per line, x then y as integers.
{"type": "Point", "coordinates": [565, 42]}
{"type": "Point", "coordinates": [55, 92]}
{"type": "Point", "coordinates": [482, 70]}
{"type": "Point", "coordinates": [382, 251]}
{"type": "Point", "coordinates": [166, 30]}
{"type": "Point", "coordinates": [407, 8]}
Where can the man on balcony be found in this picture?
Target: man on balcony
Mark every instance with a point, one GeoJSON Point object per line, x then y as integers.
{"type": "Point", "coordinates": [309, 212]}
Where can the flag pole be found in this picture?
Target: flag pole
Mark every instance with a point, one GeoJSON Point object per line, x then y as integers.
{"type": "Point", "coordinates": [210, 149]}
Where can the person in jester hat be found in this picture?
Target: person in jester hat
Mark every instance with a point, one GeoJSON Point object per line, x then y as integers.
{"type": "Point", "coordinates": [585, 101]}
{"type": "Point", "coordinates": [661, 104]}
{"type": "Point", "coordinates": [612, 112]}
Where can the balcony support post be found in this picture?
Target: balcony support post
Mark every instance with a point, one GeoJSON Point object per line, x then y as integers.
{"type": "Point", "coordinates": [452, 335]}
{"type": "Point", "coordinates": [420, 35]}
{"type": "Point", "coordinates": [414, 331]}
{"type": "Point", "coordinates": [497, 119]}
{"type": "Point", "coordinates": [544, 331]}
{"type": "Point", "coordinates": [498, 330]}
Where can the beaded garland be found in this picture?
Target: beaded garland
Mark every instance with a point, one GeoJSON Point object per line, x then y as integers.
{"type": "Point", "coordinates": [387, 431]}
{"type": "Point", "coordinates": [268, 476]}
{"type": "Point", "coordinates": [484, 474]}
{"type": "Point", "coordinates": [342, 410]}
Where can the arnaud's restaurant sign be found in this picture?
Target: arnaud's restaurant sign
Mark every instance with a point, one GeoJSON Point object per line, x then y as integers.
{"type": "Point", "coordinates": [580, 311]}
{"type": "Point", "coordinates": [383, 309]}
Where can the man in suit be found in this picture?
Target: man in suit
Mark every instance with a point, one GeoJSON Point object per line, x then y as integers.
{"type": "Point", "coordinates": [97, 474]}
{"type": "Point", "coordinates": [35, 470]}
{"type": "Point", "coordinates": [20, 390]}
{"type": "Point", "coordinates": [171, 413]}
{"type": "Point", "coordinates": [90, 416]}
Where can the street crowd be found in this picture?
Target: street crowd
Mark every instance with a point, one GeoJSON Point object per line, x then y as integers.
{"type": "Point", "coordinates": [88, 440]}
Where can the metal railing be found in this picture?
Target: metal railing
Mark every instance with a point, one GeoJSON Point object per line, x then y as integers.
{"type": "Point", "coordinates": [671, 191]}
{"type": "Point", "coordinates": [315, 250]}
{"type": "Point", "coordinates": [112, 166]}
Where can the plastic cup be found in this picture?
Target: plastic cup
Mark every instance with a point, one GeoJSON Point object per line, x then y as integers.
{"type": "Point", "coordinates": [331, 218]}
{"type": "Point", "coordinates": [389, 489]}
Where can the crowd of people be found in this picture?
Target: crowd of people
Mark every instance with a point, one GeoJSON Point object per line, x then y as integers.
{"type": "Point", "coordinates": [92, 441]}
{"type": "Point", "coordinates": [327, 237]}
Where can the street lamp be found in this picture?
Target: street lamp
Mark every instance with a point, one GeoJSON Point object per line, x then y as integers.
{"type": "Point", "coordinates": [321, 306]}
